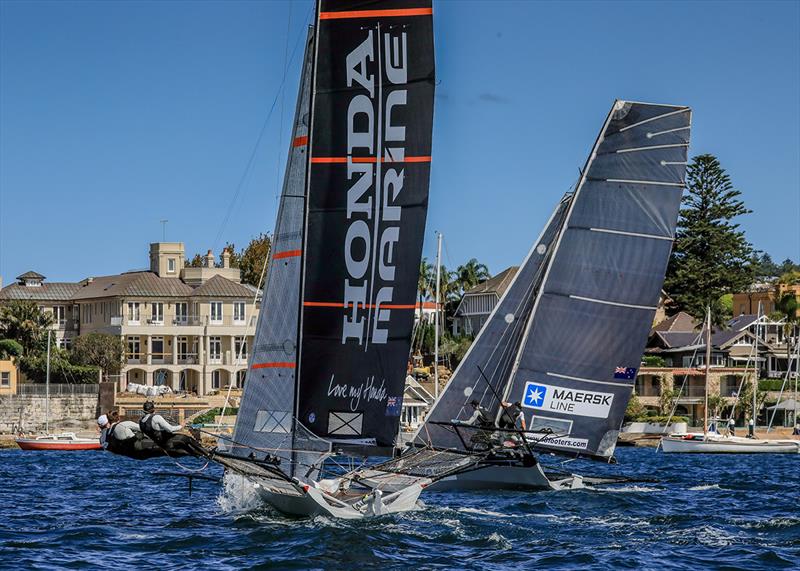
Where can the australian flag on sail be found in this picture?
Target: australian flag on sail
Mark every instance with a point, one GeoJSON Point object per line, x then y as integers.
{"type": "Point", "coordinates": [627, 373]}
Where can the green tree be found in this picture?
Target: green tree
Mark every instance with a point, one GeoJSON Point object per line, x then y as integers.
{"type": "Point", "coordinates": [10, 348]}
{"type": "Point", "coordinates": [251, 260]}
{"type": "Point", "coordinates": [635, 408]}
{"type": "Point", "coordinates": [471, 274]}
{"type": "Point", "coordinates": [764, 267]}
{"type": "Point", "coordinates": [99, 350]}
{"type": "Point", "coordinates": [25, 323]}
{"type": "Point", "coordinates": [425, 283]}
{"type": "Point", "coordinates": [195, 262]}
{"type": "Point", "coordinates": [711, 256]}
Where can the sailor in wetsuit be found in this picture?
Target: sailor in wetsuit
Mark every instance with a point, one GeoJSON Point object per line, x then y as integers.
{"type": "Point", "coordinates": [125, 438]}
{"type": "Point", "coordinates": [165, 434]}
{"type": "Point", "coordinates": [512, 417]}
{"type": "Point", "coordinates": [482, 439]}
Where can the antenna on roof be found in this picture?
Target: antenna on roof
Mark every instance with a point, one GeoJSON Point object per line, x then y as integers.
{"type": "Point", "coordinates": [164, 229]}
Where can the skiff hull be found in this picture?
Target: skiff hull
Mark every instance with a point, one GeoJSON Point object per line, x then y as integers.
{"type": "Point", "coordinates": [505, 478]}
{"type": "Point", "coordinates": [313, 502]}
{"type": "Point", "coordinates": [729, 446]}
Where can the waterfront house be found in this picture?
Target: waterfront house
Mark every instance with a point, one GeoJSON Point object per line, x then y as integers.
{"type": "Point", "coordinates": [477, 304]}
{"type": "Point", "coordinates": [675, 361]}
{"type": "Point", "coordinates": [188, 328]}
{"type": "Point", "coordinates": [54, 298]}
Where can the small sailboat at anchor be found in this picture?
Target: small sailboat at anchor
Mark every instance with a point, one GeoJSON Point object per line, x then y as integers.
{"type": "Point", "coordinates": [327, 372]}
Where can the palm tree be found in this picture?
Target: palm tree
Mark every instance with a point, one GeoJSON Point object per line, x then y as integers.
{"type": "Point", "coordinates": [471, 274]}
{"type": "Point", "coordinates": [24, 322]}
{"type": "Point", "coordinates": [425, 285]}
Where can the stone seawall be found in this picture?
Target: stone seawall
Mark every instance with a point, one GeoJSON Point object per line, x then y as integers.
{"type": "Point", "coordinates": [67, 412]}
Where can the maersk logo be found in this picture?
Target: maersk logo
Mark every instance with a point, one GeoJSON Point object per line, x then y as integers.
{"type": "Point", "coordinates": [534, 395]}
{"type": "Point", "coordinates": [567, 401]}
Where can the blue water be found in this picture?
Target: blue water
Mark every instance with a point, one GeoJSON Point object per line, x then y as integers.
{"type": "Point", "coordinates": [78, 510]}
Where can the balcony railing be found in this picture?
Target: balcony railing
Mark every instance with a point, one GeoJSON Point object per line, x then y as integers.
{"type": "Point", "coordinates": [187, 321]}
{"type": "Point", "coordinates": [57, 389]}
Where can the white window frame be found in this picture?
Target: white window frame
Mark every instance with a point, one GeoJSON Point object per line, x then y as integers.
{"type": "Point", "coordinates": [161, 354]}
{"type": "Point", "coordinates": [171, 265]}
{"type": "Point", "coordinates": [215, 316]}
{"type": "Point", "coordinates": [60, 315]}
{"type": "Point", "coordinates": [134, 341]}
{"type": "Point", "coordinates": [134, 313]}
{"type": "Point", "coordinates": [239, 312]}
{"type": "Point", "coordinates": [182, 317]}
{"type": "Point", "coordinates": [237, 342]}
{"type": "Point", "coordinates": [183, 348]}
{"type": "Point", "coordinates": [157, 313]}
{"type": "Point", "coordinates": [5, 378]}
{"type": "Point", "coordinates": [216, 379]}
{"type": "Point", "coordinates": [215, 343]}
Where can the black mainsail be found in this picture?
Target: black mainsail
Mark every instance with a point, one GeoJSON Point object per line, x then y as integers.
{"type": "Point", "coordinates": [593, 291]}
{"type": "Point", "coordinates": [335, 327]}
{"type": "Point", "coordinates": [367, 194]}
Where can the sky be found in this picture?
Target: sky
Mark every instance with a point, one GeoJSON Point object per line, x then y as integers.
{"type": "Point", "coordinates": [117, 115]}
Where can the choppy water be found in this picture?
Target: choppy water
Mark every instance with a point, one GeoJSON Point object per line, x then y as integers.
{"type": "Point", "coordinates": [77, 510]}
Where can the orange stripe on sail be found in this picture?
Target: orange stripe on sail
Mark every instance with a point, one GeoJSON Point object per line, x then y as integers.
{"type": "Point", "coordinates": [341, 305]}
{"type": "Point", "coordinates": [287, 254]}
{"type": "Point", "coordinates": [300, 141]}
{"type": "Point", "coordinates": [375, 13]}
{"type": "Point", "coordinates": [342, 160]}
{"type": "Point", "coordinates": [274, 365]}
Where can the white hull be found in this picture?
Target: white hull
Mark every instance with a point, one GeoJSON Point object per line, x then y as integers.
{"type": "Point", "coordinates": [728, 445]}
{"type": "Point", "coordinates": [505, 478]}
{"type": "Point", "coordinates": [311, 501]}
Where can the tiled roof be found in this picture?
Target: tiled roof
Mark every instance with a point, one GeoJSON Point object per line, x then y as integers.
{"type": "Point", "coordinates": [218, 286]}
{"type": "Point", "coordinates": [497, 284]}
{"type": "Point", "coordinates": [55, 291]}
{"type": "Point", "coordinates": [134, 284]}
{"type": "Point", "coordinates": [673, 339]}
{"type": "Point", "coordinates": [681, 321]}
{"type": "Point", "coordinates": [742, 322]}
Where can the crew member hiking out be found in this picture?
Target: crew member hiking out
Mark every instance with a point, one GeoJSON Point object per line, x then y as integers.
{"type": "Point", "coordinates": [165, 434]}
{"type": "Point", "coordinates": [123, 437]}
{"type": "Point", "coordinates": [512, 417]}
{"type": "Point", "coordinates": [481, 418]}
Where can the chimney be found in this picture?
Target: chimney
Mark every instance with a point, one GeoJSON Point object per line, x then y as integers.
{"type": "Point", "coordinates": [226, 258]}
{"type": "Point", "coordinates": [209, 259]}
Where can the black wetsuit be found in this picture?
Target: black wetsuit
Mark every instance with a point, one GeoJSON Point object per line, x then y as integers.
{"type": "Point", "coordinates": [139, 447]}
{"type": "Point", "coordinates": [508, 419]}
{"type": "Point", "coordinates": [171, 443]}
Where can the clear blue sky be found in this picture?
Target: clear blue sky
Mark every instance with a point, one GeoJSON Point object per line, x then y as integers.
{"type": "Point", "coordinates": [116, 115]}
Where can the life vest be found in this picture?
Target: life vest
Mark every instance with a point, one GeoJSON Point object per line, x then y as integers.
{"type": "Point", "coordinates": [147, 428]}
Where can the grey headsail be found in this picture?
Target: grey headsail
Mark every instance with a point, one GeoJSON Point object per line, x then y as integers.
{"type": "Point", "coordinates": [490, 358]}
{"type": "Point", "coordinates": [598, 297]}
{"type": "Point", "coordinates": [266, 416]}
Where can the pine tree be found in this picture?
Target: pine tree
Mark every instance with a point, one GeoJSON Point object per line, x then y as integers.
{"type": "Point", "coordinates": [711, 256]}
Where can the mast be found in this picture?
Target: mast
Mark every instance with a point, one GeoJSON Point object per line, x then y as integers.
{"type": "Point", "coordinates": [436, 316]}
{"type": "Point", "coordinates": [47, 388]}
{"type": "Point", "coordinates": [757, 367]}
{"type": "Point", "coordinates": [708, 368]}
